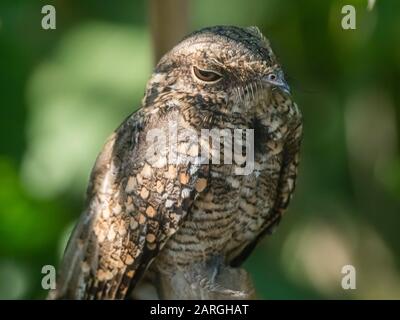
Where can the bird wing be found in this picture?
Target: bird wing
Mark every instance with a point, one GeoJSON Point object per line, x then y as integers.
{"type": "Point", "coordinates": [133, 207]}
{"type": "Point", "coordinates": [285, 188]}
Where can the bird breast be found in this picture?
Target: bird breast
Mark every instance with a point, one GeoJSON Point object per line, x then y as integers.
{"type": "Point", "coordinates": [227, 217]}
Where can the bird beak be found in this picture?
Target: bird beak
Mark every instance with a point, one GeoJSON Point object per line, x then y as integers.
{"type": "Point", "coordinates": [278, 81]}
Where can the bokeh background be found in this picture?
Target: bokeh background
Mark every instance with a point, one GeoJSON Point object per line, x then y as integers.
{"type": "Point", "coordinates": [64, 91]}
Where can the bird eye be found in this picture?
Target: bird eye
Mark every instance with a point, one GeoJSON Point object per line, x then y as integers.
{"type": "Point", "coordinates": [206, 75]}
{"type": "Point", "coordinates": [272, 76]}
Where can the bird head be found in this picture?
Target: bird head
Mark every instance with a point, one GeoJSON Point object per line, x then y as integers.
{"type": "Point", "coordinates": [225, 69]}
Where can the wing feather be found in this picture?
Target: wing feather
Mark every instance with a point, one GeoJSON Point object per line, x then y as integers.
{"type": "Point", "coordinates": [133, 208]}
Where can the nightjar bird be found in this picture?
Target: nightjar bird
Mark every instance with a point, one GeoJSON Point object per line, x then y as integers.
{"type": "Point", "coordinates": [154, 203]}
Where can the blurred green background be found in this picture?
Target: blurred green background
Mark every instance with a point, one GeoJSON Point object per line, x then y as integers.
{"type": "Point", "coordinates": [64, 91]}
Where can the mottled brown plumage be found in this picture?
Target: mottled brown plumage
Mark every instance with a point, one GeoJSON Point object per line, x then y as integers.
{"type": "Point", "coordinates": [147, 216]}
